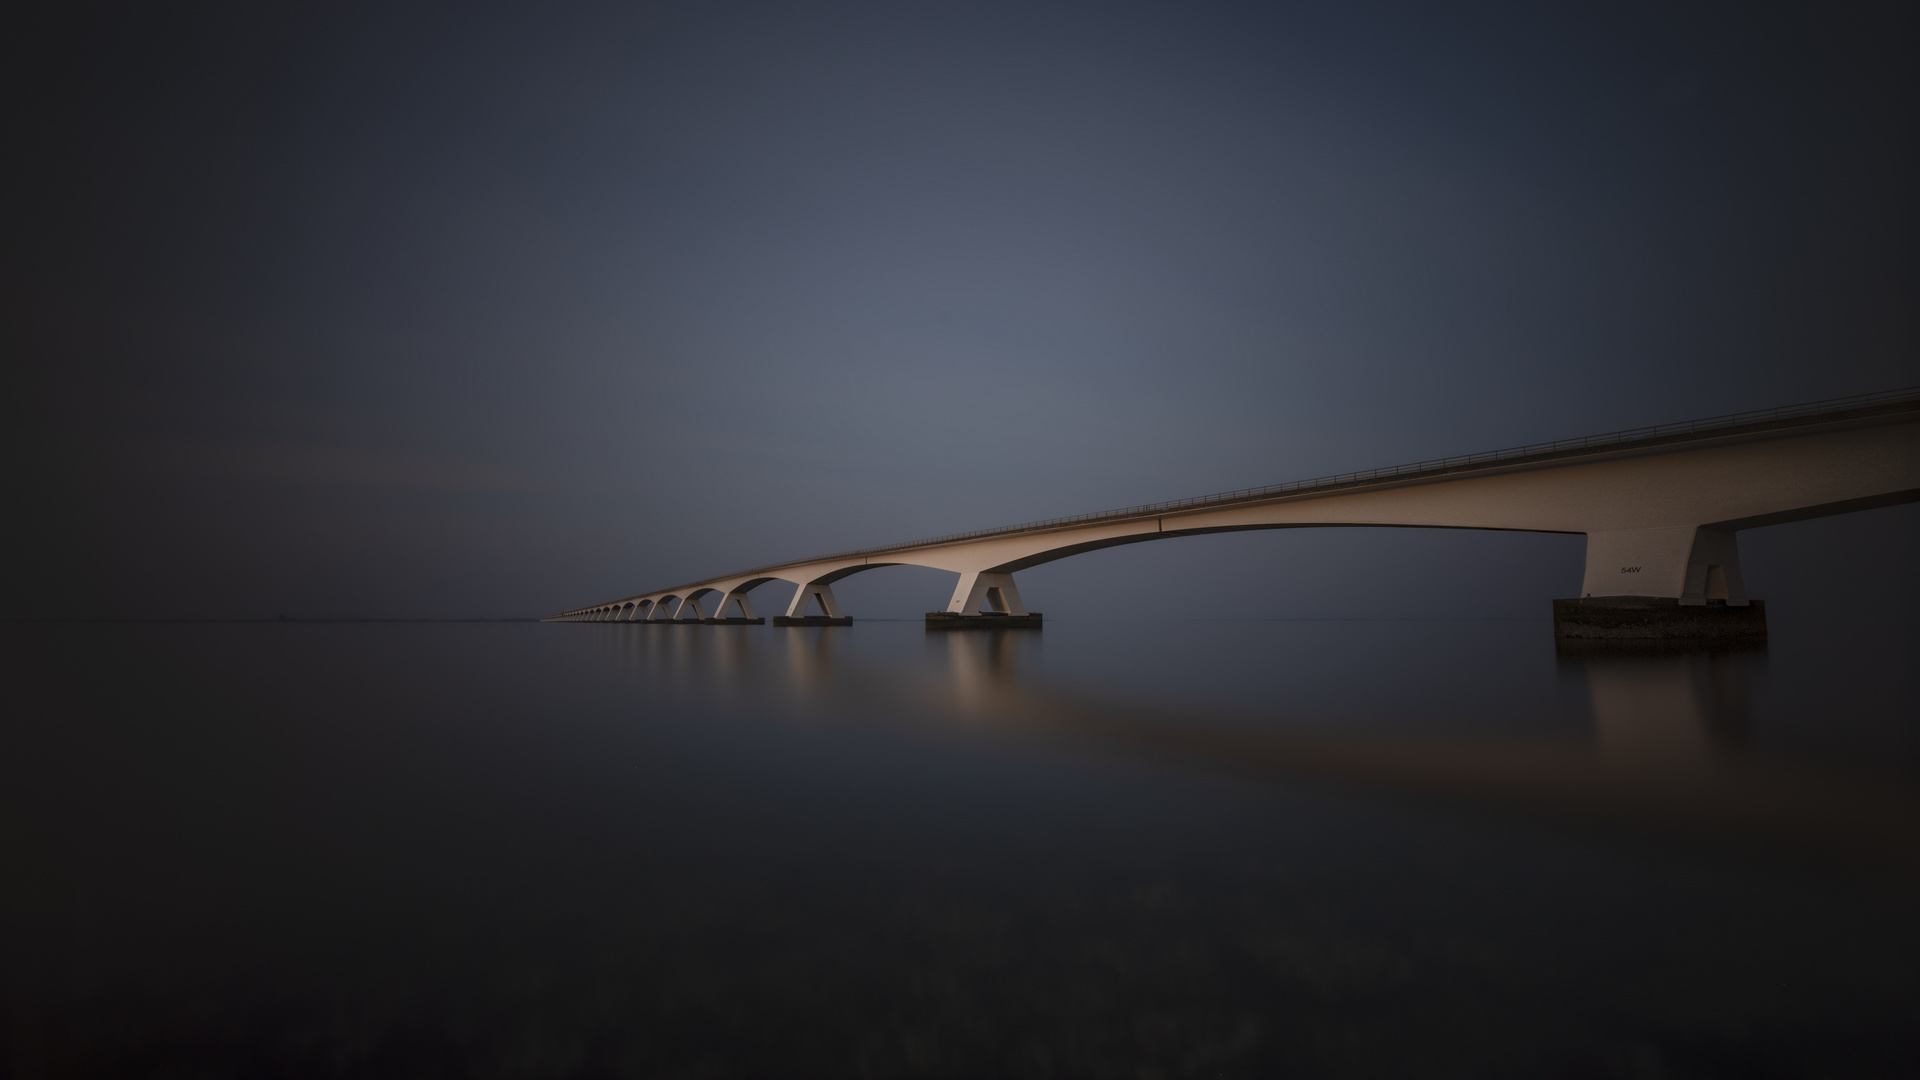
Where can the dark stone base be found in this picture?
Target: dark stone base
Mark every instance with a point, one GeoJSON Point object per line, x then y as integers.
{"type": "Point", "coordinates": [812, 620]}
{"type": "Point", "coordinates": [947, 620]}
{"type": "Point", "coordinates": [1647, 619]}
{"type": "Point", "coordinates": [736, 621]}
{"type": "Point", "coordinates": [1579, 650]}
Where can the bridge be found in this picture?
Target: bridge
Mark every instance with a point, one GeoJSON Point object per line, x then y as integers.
{"type": "Point", "coordinates": [1660, 506]}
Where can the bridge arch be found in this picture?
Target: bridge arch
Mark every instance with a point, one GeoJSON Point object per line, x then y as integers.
{"type": "Point", "coordinates": [693, 601]}
{"type": "Point", "coordinates": [992, 587]}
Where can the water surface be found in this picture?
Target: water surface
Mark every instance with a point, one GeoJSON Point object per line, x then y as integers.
{"type": "Point", "coordinates": [1363, 848]}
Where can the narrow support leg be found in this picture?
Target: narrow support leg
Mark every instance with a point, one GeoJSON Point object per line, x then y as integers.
{"type": "Point", "coordinates": [1713, 570]}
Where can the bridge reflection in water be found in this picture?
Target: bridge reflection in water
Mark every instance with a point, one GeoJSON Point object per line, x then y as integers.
{"type": "Point", "coordinates": [1669, 749]}
{"type": "Point", "coordinates": [1670, 711]}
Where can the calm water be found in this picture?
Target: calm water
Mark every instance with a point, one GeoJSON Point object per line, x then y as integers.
{"type": "Point", "coordinates": [1365, 849]}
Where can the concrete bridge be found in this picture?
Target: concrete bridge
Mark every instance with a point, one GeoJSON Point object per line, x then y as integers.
{"type": "Point", "coordinates": [1661, 508]}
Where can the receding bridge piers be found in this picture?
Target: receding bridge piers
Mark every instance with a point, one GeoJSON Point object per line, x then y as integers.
{"type": "Point", "coordinates": [1661, 509]}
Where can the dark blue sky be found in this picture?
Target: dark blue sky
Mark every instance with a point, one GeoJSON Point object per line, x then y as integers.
{"type": "Point", "coordinates": [447, 311]}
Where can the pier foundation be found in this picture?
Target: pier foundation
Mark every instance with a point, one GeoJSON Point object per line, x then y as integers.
{"type": "Point", "coordinates": [1657, 619]}
{"type": "Point", "coordinates": [989, 620]}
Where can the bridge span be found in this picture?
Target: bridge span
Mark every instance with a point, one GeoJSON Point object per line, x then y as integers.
{"type": "Point", "coordinates": [1661, 508]}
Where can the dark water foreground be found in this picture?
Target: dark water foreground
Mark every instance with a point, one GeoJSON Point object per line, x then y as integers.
{"type": "Point", "coordinates": [1365, 849]}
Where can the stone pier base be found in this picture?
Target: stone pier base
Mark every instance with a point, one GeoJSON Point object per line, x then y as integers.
{"type": "Point", "coordinates": [1657, 619]}
{"type": "Point", "coordinates": [947, 620]}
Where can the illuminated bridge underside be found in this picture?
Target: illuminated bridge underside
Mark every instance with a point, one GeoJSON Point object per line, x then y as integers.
{"type": "Point", "coordinates": [1660, 508]}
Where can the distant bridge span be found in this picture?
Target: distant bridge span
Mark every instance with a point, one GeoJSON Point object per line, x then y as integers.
{"type": "Point", "coordinates": [1659, 506]}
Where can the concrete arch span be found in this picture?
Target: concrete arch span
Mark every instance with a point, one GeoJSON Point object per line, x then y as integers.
{"type": "Point", "coordinates": [992, 588]}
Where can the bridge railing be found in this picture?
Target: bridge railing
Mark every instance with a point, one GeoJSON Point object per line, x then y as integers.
{"type": "Point", "coordinates": [1431, 466]}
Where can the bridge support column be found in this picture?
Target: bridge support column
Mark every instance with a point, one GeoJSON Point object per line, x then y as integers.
{"type": "Point", "coordinates": [1671, 584]}
{"type": "Point", "coordinates": [1713, 570]}
{"type": "Point", "coordinates": [804, 598]}
{"type": "Point", "coordinates": [1005, 608]}
{"type": "Point", "coordinates": [1690, 564]}
{"type": "Point", "coordinates": [997, 590]}
{"type": "Point", "coordinates": [805, 595]}
{"type": "Point", "coordinates": [733, 600]}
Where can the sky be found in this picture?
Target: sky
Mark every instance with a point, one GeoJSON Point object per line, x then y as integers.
{"type": "Point", "coordinates": [408, 310]}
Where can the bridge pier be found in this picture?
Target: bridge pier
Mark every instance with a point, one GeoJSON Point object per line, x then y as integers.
{"type": "Point", "coordinates": [734, 599]}
{"type": "Point", "coordinates": [1691, 564]}
{"type": "Point", "coordinates": [804, 597]}
{"type": "Point", "coordinates": [1670, 584]}
{"type": "Point", "coordinates": [998, 592]}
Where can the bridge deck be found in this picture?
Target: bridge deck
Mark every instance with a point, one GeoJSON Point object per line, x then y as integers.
{"type": "Point", "coordinates": [1732, 425]}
